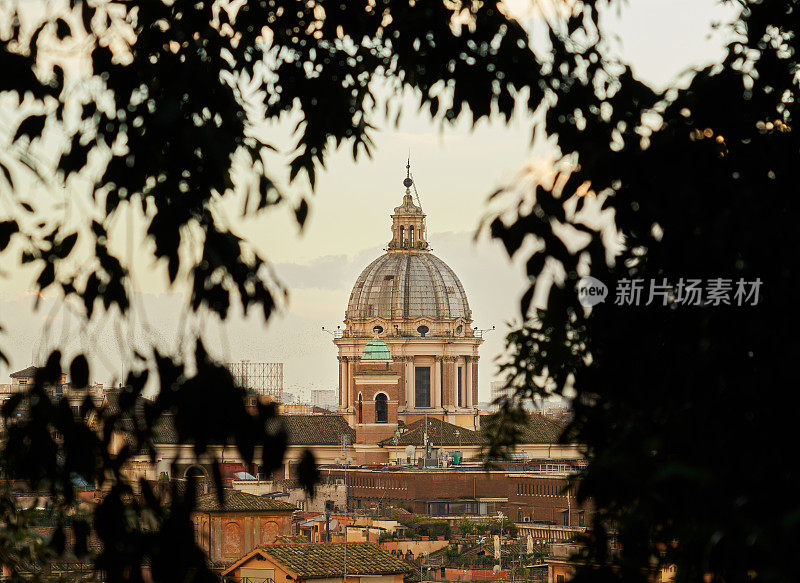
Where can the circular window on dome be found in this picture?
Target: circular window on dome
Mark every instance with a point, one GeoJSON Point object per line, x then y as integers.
{"type": "Point", "coordinates": [423, 330]}
{"type": "Point", "coordinates": [459, 329]}
{"type": "Point", "coordinates": [377, 330]}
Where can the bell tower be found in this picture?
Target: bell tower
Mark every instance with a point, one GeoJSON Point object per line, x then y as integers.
{"type": "Point", "coordinates": [376, 391]}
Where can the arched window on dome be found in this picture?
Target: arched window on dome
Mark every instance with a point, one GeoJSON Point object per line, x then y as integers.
{"type": "Point", "coordinates": [402, 240]}
{"type": "Point", "coordinates": [411, 236]}
{"type": "Point", "coordinates": [360, 411]}
{"type": "Point", "coordinates": [381, 408]}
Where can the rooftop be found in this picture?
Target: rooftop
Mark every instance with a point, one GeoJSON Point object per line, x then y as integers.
{"type": "Point", "coordinates": [317, 429]}
{"type": "Point", "coordinates": [329, 429]}
{"type": "Point", "coordinates": [439, 433]}
{"type": "Point", "coordinates": [326, 429]}
{"type": "Point", "coordinates": [236, 501]}
{"type": "Point", "coordinates": [316, 561]}
{"type": "Point", "coordinates": [25, 372]}
{"type": "Point", "coordinates": [539, 429]}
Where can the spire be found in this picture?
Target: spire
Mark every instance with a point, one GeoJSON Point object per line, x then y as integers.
{"type": "Point", "coordinates": [408, 183]}
{"type": "Point", "coordinates": [408, 220]}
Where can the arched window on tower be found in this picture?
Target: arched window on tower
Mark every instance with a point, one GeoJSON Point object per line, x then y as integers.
{"type": "Point", "coordinates": [402, 241]}
{"type": "Point", "coordinates": [360, 409]}
{"type": "Point", "coordinates": [381, 408]}
{"type": "Point", "coordinates": [411, 236]}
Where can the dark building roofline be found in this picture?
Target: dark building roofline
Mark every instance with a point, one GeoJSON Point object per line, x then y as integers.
{"type": "Point", "coordinates": [25, 372]}
{"type": "Point", "coordinates": [236, 501]}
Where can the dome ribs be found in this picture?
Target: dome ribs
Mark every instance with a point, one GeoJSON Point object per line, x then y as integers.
{"type": "Point", "coordinates": [435, 277]}
{"type": "Point", "coordinates": [406, 285]}
{"type": "Point", "coordinates": [406, 288]}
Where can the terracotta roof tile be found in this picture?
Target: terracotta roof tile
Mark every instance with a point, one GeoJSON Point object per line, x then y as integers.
{"type": "Point", "coordinates": [311, 561]}
{"type": "Point", "coordinates": [439, 433]}
{"type": "Point", "coordinates": [25, 372]}
{"type": "Point", "coordinates": [301, 429]}
{"type": "Point", "coordinates": [236, 501]}
{"type": "Point", "coordinates": [317, 429]}
{"type": "Point", "coordinates": [164, 430]}
{"type": "Point", "coordinates": [539, 428]}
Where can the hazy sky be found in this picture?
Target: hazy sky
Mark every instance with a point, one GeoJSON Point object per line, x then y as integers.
{"type": "Point", "coordinates": [454, 170]}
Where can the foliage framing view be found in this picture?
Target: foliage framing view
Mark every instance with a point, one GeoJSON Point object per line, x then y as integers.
{"type": "Point", "coordinates": [679, 442]}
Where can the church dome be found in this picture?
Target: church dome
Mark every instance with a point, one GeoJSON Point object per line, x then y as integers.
{"type": "Point", "coordinates": [408, 284]}
{"type": "Point", "coordinates": [408, 281]}
{"type": "Point", "coordinates": [376, 349]}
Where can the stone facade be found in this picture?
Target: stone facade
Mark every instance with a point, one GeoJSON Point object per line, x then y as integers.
{"type": "Point", "coordinates": [243, 524]}
{"type": "Point", "coordinates": [227, 536]}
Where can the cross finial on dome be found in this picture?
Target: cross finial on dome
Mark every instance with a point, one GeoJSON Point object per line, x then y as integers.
{"type": "Point", "coordinates": [408, 182]}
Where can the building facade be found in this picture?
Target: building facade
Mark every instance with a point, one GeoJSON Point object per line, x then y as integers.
{"type": "Point", "coordinates": [242, 523]}
{"type": "Point", "coordinates": [523, 497]}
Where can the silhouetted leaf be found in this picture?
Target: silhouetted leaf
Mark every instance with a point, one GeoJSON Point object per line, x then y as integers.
{"type": "Point", "coordinates": [46, 276]}
{"type": "Point", "coordinates": [58, 540]}
{"type": "Point", "coordinates": [80, 529]}
{"type": "Point", "coordinates": [308, 473]}
{"type": "Point", "coordinates": [7, 174]}
{"type": "Point", "coordinates": [7, 229]}
{"type": "Point", "coordinates": [301, 212]}
{"type": "Point", "coordinates": [79, 371]}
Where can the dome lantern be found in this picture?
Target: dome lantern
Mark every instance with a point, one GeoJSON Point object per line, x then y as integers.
{"type": "Point", "coordinates": [408, 222]}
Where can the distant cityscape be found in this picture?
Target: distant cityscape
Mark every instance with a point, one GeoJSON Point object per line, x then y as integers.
{"type": "Point", "coordinates": [404, 492]}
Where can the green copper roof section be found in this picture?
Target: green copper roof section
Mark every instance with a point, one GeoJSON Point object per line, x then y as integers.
{"type": "Point", "coordinates": [376, 349]}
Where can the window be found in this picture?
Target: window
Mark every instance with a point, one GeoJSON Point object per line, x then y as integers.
{"type": "Point", "coordinates": [460, 384]}
{"type": "Point", "coordinates": [565, 517]}
{"type": "Point", "coordinates": [422, 386]}
{"type": "Point", "coordinates": [360, 411]}
{"type": "Point", "coordinates": [195, 472]}
{"type": "Point", "coordinates": [581, 519]}
{"type": "Point", "coordinates": [381, 408]}
{"type": "Point", "coordinates": [559, 578]}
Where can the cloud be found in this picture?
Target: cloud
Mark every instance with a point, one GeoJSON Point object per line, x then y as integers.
{"type": "Point", "coordinates": [327, 272]}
